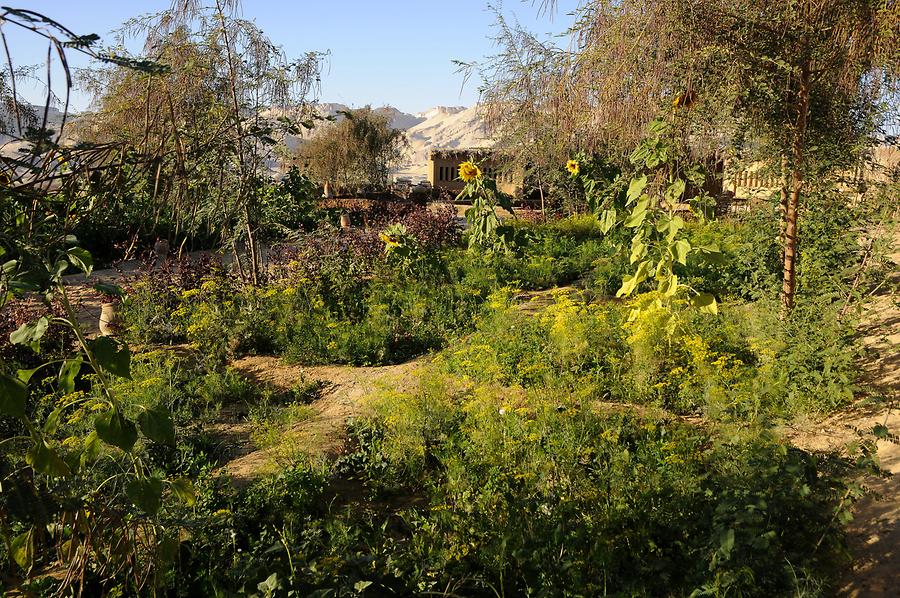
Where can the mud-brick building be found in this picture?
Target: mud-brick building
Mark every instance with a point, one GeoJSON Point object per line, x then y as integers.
{"type": "Point", "coordinates": [443, 170]}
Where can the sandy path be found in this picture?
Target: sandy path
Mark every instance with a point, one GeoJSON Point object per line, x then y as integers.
{"type": "Point", "coordinates": [322, 434]}
{"type": "Point", "coordinates": [874, 534]}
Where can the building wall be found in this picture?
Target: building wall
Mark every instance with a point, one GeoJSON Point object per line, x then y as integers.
{"type": "Point", "coordinates": [759, 180]}
{"type": "Point", "coordinates": [443, 173]}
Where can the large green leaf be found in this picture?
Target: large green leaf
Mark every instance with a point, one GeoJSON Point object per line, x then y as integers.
{"type": "Point", "coordinates": [638, 249]}
{"type": "Point", "coordinates": [184, 490]}
{"type": "Point", "coordinates": [45, 460]}
{"type": "Point", "coordinates": [30, 333]}
{"type": "Point", "coordinates": [91, 448]}
{"type": "Point", "coordinates": [13, 394]}
{"type": "Point", "coordinates": [52, 421]}
{"type": "Point", "coordinates": [706, 303]}
{"type": "Point", "coordinates": [113, 356]}
{"type": "Point", "coordinates": [607, 220]}
{"type": "Point", "coordinates": [114, 429]}
{"type": "Point", "coordinates": [682, 249]}
{"type": "Point", "coordinates": [631, 281]}
{"type": "Point", "coordinates": [109, 289]}
{"type": "Point", "coordinates": [674, 192]}
{"type": "Point", "coordinates": [668, 285]}
{"type": "Point", "coordinates": [81, 259]}
{"type": "Point", "coordinates": [145, 494]}
{"type": "Point", "coordinates": [635, 188]}
{"type": "Point", "coordinates": [22, 549]}
{"type": "Point", "coordinates": [67, 373]}
{"type": "Point", "coordinates": [157, 425]}
{"type": "Point", "coordinates": [636, 218]}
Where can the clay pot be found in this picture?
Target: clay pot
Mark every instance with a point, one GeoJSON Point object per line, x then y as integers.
{"type": "Point", "coordinates": [161, 249]}
{"type": "Point", "coordinates": [345, 221]}
{"type": "Point", "coordinates": [109, 319]}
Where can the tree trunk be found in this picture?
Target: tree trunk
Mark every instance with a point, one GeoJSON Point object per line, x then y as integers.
{"type": "Point", "coordinates": [785, 175]}
{"type": "Point", "coordinates": [798, 149]}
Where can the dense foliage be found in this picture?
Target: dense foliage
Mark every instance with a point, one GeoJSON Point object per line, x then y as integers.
{"type": "Point", "coordinates": [597, 401]}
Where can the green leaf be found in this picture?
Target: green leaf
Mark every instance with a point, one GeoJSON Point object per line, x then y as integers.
{"type": "Point", "coordinates": [636, 218]}
{"type": "Point", "coordinates": [638, 249]}
{"type": "Point", "coordinates": [114, 429]}
{"type": "Point", "coordinates": [881, 431]}
{"type": "Point", "coordinates": [726, 542]}
{"type": "Point", "coordinates": [45, 460]}
{"type": "Point", "coordinates": [706, 303]}
{"type": "Point", "coordinates": [30, 333]}
{"type": "Point", "coordinates": [682, 249]}
{"type": "Point", "coordinates": [81, 259]}
{"type": "Point", "coordinates": [668, 285]}
{"type": "Point", "coordinates": [52, 421]}
{"type": "Point", "coordinates": [183, 488]}
{"type": "Point", "coordinates": [22, 549]}
{"type": "Point", "coordinates": [675, 225]}
{"type": "Point", "coordinates": [635, 188]}
{"type": "Point", "coordinates": [67, 373]}
{"type": "Point", "coordinates": [109, 289]}
{"type": "Point", "coordinates": [157, 425]}
{"type": "Point", "coordinates": [608, 220]}
{"type": "Point", "coordinates": [13, 394]}
{"type": "Point", "coordinates": [58, 270]}
{"type": "Point", "coordinates": [631, 281]}
{"type": "Point", "coordinates": [26, 375]}
{"type": "Point", "coordinates": [145, 494]}
{"type": "Point", "coordinates": [91, 447]}
{"type": "Point", "coordinates": [113, 356]}
{"type": "Point", "coordinates": [675, 191]}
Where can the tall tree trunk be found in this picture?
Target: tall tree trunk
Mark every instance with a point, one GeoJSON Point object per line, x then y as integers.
{"type": "Point", "coordinates": [798, 151]}
{"type": "Point", "coordinates": [785, 192]}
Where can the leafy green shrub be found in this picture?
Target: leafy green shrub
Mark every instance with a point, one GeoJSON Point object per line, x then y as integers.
{"type": "Point", "coordinates": [527, 497]}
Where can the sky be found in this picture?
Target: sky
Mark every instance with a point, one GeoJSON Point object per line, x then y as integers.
{"type": "Point", "coordinates": [396, 53]}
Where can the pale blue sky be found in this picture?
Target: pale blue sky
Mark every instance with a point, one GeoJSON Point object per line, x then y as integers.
{"type": "Point", "coordinates": [396, 52]}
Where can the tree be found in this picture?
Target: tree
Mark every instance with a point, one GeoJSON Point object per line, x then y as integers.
{"type": "Point", "coordinates": [358, 150]}
{"type": "Point", "coordinates": [753, 74]}
{"type": "Point", "coordinates": [90, 504]}
{"type": "Point", "coordinates": [212, 120]}
{"type": "Point", "coordinates": [521, 105]}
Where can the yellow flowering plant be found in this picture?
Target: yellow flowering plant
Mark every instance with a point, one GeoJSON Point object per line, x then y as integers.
{"type": "Point", "coordinates": [486, 230]}
{"type": "Point", "coordinates": [469, 171]}
{"type": "Point", "coordinates": [598, 180]}
{"type": "Point", "coordinates": [658, 193]}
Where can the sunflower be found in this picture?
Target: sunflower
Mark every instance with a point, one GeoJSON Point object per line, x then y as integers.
{"type": "Point", "coordinates": [388, 240]}
{"type": "Point", "coordinates": [573, 167]}
{"type": "Point", "coordinates": [683, 100]}
{"type": "Point", "coordinates": [468, 171]}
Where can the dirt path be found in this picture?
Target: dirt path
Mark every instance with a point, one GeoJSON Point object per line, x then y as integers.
{"type": "Point", "coordinates": [323, 433]}
{"type": "Point", "coordinates": [874, 534]}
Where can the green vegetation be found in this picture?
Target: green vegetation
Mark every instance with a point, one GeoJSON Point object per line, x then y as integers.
{"type": "Point", "coordinates": [599, 396]}
{"type": "Point", "coordinates": [358, 151]}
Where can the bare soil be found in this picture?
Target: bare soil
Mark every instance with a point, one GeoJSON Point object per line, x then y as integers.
{"type": "Point", "coordinates": [323, 434]}
{"type": "Point", "coordinates": [874, 534]}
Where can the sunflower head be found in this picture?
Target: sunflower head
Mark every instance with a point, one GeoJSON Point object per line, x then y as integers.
{"type": "Point", "coordinates": [469, 171]}
{"type": "Point", "coordinates": [683, 100]}
{"type": "Point", "coordinates": [573, 167]}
